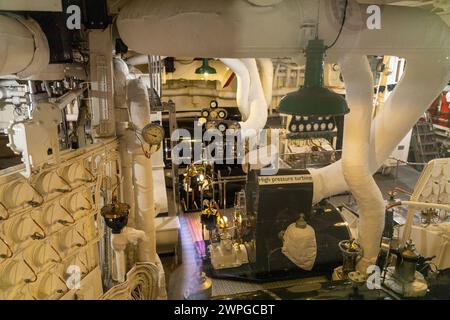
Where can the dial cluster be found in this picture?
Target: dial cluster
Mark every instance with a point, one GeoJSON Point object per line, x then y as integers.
{"type": "Point", "coordinates": [215, 118]}
{"type": "Point", "coordinates": [311, 124]}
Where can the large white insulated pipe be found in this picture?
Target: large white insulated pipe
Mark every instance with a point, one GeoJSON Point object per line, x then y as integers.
{"type": "Point", "coordinates": [243, 84]}
{"type": "Point", "coordinates": [257, 117]}
{"type": "Point", "coordinates": [266, 68]}
{"type": "Point", "coordinates": [239, 29]}
{"type": "Point", "coordinates": [422, 81]}
{"type": "Point", "coordinates": [24, 48]}
{"type": "Point", "coordinates": [355, 156]}
{"type": "Point", "coordinates": [142, 173]}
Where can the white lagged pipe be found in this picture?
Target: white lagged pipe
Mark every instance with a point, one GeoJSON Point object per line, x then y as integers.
{"type": "Point", "coordinates": [243, 84]}
{"type": "Point", "coordinates": [258, 107]}
{"type": "Point", "coordinates": [266, 68]}
{"type": "Point", "coordinates": [142, 173]}
{"type": "Point", "coordinates": [119, 243]}
{"type": "Point", "coordinates": [355, 156]}
{"type": "Point", "coordinates": [424, 77]}
{"type": "Point", "coordinates": [24, 48]}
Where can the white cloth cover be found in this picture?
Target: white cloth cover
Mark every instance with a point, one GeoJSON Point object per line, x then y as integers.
{"type": "Point", "coordinates": [300, 246]}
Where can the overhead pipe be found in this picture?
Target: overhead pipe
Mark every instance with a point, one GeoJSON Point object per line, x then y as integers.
{"type": "Point", "coordinates": [139, 59]}
{"type": "Point", "coordinates": [355, 156]}
{"type": "Point", "coordinates": [243, 84]}
{"type": "Point", "coordinates": [239, 29]}
{"type": "Point", "coordinates": [24, 50]}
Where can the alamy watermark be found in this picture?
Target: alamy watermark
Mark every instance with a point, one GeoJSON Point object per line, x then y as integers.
{"type": "Point", "coordinates": [246, 146]}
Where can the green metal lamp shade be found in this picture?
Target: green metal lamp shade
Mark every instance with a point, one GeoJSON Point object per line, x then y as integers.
{"type": "Point", "coordinates": [313, 99]}
{"type": "Point", "coordinates": [205, 68]}
{"type": "Point", "coordinates": [316, 101]}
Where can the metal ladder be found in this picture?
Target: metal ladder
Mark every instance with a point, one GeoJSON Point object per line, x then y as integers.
{"type": "Point", "coordinates": [424, 144]}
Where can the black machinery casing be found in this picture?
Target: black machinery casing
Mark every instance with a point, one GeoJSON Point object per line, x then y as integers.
{"type": "Point", "coordinates": [276, 202]}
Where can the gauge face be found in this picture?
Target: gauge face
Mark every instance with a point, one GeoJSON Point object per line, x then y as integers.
{"type": "Point", "coordinates": [293, 127]}
{"type": "Point", "coordinates": [213, 104]}
{"type": "Point", "coordinates": [308, 127]}
{"type": "Point", "coordinates": [301, 127]}
{"type": "Point", "coordinates": [153, 134]}
{"type": "Point", "coordinates": [323, 126]}
{"type": "Point", "coordinates": [222, 127]}
{"type": "Point", "coordinates": [213, 114]}
{"type": "Point", "coordinates": [202, 121]}
{"type": "Point", "coordinates": [316, 126]}
{"type": "Point", "coordinates": [330, 126]}
{"type": "Point", "coordinates": [205, 113]}
{"type": "Point", "coordinates": [222, 114]}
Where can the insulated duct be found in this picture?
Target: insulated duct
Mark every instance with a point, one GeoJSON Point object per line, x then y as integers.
{"type": "Point", "coordinates": [266, 68]}
{"type": "Point", "coordinates": [243, 84]}
{"type": "Point", "coordinates": [257, 117]}
{"type": "Point", "coordinates": [405, 105]}
{"type": "Point", "coordinates": [24, 50]}
{"type": "Point", "coordinates": [142, 173]}
{"type": "Point", "coordinates": [355, 156]}
{"type": "Point", "coordinates": [238, 29]}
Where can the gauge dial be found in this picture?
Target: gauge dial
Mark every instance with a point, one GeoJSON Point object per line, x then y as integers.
{"type": "Point", "coordinates": [222, 114]}
{"type": "Point", "coordinates": [316, 126]}
{"type": "Point", "coordinates": [202, 121]}
{"type": "Point", "coordinates": [308, 127]}
{"type": "Point", "coordinates": [222, 127]}
{"type": "Point", "coordinates": [214, 114]}
{"type": "Point", "coordinates": [301, 127]}
{"type": "Point", "coordinates": [213, 104]}
{"type": "Point", "coordinates": [205, 113]}
{"type": "Point", "coordinates": [293, 127]}
{"type": "Point", "coordinates": [153, 134]}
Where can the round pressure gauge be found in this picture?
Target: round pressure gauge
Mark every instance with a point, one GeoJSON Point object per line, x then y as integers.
{"type": "Point", "coordinates": [316, 126]}
{"type": "Point", "coordinates": [330, 126]}
{"type": "Point", "coordinates": [293, 127]}
{"type": "Point", "coordinates": [301, 127]}
{"type": "Point", "coordinates": [213, 104]}
{"type": "Point", "coordinates": [323, 126]}
{"type": "Point", "coordinates": [205, 113]}
{"type": "Point", "coordinates": [202, 121]}
{"type": "Point", "coordinates": [308, 127]}
{"type": "Point", "coordinates": [214, 114]}
{"type": "Point", "coordinates": [153, 134]}
{"type": "Point", "coordinates": [222, 114]}
{"type": "Point", "coordinates": [222, 127]}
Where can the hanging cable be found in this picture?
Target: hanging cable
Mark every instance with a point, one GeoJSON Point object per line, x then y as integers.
{"type": "Point", "coordinates": [342, 25]}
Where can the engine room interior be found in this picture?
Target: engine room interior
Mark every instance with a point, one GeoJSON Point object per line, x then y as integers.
{"type": "Point", "coordinates": [224, 150]}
